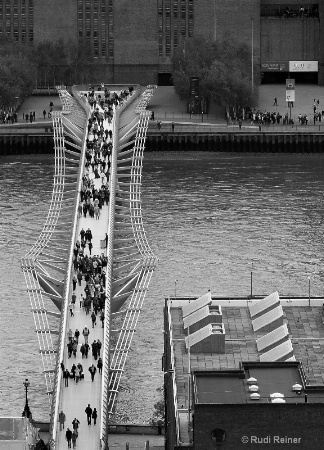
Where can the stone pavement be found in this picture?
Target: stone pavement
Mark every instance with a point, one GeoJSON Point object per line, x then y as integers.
{"type": "Point", "coordinates": [38, 103]}
{"type": "Point", "coordinates": [168, 107]}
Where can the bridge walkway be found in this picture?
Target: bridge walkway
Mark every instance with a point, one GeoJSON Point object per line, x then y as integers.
{"type": "Point", "coordinates": [75, 398]}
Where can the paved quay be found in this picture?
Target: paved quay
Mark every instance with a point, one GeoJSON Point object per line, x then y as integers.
{"type": "Point", "coordinates": [168, 108]}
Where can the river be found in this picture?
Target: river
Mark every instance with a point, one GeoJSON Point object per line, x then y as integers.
{"type": "Point", "coordinates": [208, 217]}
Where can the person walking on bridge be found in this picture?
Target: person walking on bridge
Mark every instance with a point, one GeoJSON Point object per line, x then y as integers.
{"type": "Point", "coordinates": [68, 436]}
{"type": "Point", "coordinates": [92, 371]}
{"type": "Point", "coordinates": [88, 412]}
{"type": "Point", "coordinates": [61, 420]}
{"type": "Point", "coordinates": [94, 415]}
{"type": "Point", "coordinates": [86, 333]}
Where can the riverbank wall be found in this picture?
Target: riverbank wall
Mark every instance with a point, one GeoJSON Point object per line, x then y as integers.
{"type": "Point", "coordinates": [41, 141]}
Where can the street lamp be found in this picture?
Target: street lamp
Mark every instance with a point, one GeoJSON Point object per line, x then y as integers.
{"type": "Point", "coordinates": [252, 55]}
{"type": "Point", "coordinates": [26, 411]}
{"type": "Point", "coordinates": [175, 288]}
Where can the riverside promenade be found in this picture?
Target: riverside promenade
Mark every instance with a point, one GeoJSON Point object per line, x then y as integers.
{"type": "Point", "coordinates": [181, 131]}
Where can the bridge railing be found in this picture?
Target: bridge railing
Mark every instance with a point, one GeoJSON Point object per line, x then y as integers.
{"type": "Point", "coordinates": [109, 269]}
{"type": "Point", "coordinates": [148, 261]}
{"type": "Point", "coordinates": [67, 285]}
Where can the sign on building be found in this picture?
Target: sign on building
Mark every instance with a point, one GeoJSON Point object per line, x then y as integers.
{"type": "Point", "coordinates": [194, 87]}
{"type": "Point", "coordinates": [303, 66]}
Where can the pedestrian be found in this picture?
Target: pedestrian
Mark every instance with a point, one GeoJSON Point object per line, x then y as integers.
{"type": "Point", "coordinates": [86, 333]}
{"type": "Point", "coordinates": [76, 335]}
{"type": "Point", "coordinates": [74, 438]}
{"type": "Point", "coordinates": [172, 127]}
{"type": "Point", "coordinates": [68, 436]}
{"type": "Point", "coordinates": [71, 306]}
{"type": "Point", "coordinates": [81, 301]}
{"type": "Point", "coordinates": [73, 369]}
{"type": "Point", "coordinates": [79, 277]}
{"type": "Point", "coordinates": [61, 420]}
{"type": "Point", "coordinates": [102, 318]}
{"type": "Point", "coordinates": [66, 376]}
{"type": "Point", "coordinates": [99, 346]}
{"type": "Point", "coordinates": [88, 412]}
{"type": "Point", "coordinates": [70, 348]}
{"type": "Point", "coordinates": [62, 368]}
{"type": "Point", "coordinates": [94, 416]}
{"type": "Point", "coordinates": [92, 371]}
{"type": "Point", "coordinates": [99, 365]}
{"type": "Point", "coordinates": [94, 349]}
{"type": "Point", "coordinates": [74, 348]}
{"type": "Point", "coordinates": [106, 239]}
{"type": "Point", "coordinates": [90, 245]}
{"type": "Point", "coordinates": [82, 350]}
{"type": "Point", "coordinates": [74, 282]}
{"type": "Point", "coordinates": [275, 102]}
{"type": "Point", "coordinates": [44, 114]}
{"type": "Point", "coordinates": [86, 349]}
{"type": "Point", "coordinates": [77, 375]}
{"type": "Point", "coordinates": [75, 424]}
{"type": "Point", "coordinates": [94, 319]}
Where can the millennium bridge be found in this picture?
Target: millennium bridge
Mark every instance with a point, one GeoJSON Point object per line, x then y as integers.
{"type": "Point", "coordinates": [118, 240]}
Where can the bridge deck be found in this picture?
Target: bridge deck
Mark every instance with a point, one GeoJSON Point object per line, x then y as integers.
{"type": "Point", "coordinates": [76, 397]}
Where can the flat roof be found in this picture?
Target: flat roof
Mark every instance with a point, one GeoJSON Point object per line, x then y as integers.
{"type": "Point", "coordinates": [224, 387]}
{"type": "Point", "coordinates": [306, 331]}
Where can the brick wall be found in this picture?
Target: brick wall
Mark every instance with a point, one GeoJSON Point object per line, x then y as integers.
{"type": "Point", "coordinates": [289, 39]}
{"type": "Point", "coordinates": [229, 18]}
{"type": "Point", "coordinates": [301, 421]}
{"type": "Point", "coordinates": [135, 32]}
{"type": "Point", "coordinates": [54, 20]}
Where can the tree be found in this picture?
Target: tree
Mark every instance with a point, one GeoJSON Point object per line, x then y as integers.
{"type": "Point", "coordinates": [223, 68]}
{"type": "Point", "coordinates": [17, 73]}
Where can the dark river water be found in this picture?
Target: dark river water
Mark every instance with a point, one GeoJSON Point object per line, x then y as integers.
{"type": "Point", "coordinates": [208, 217]}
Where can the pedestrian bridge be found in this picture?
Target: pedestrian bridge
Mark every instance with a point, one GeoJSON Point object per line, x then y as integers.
{"type": "Point", "coordinates": [118, 239]}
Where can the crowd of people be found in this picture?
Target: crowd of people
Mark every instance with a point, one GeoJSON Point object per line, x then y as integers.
{"type": "Point", "coordinates": [89, 271]}
{"type": "Point", "coordinates": [8, 116]}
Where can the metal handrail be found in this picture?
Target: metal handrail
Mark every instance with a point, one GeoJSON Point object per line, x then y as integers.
{"type": "Point", "coordinates": [148, 260]}
{"type": "Point", "coordinates": [75, 113]}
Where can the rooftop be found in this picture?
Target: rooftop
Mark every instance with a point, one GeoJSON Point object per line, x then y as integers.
{"type": "Point", "coordinates": [306, 332]}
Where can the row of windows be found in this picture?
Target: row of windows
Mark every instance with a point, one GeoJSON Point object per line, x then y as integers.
{"type": "Point", "coordinates": [16, 19]}
{"type": "Point", "coordinates": [175, 18]}
{"type": "Point", "coordinates": [93, 17]}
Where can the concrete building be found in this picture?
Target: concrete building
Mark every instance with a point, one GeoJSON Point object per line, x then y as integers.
{"type": "Point", "coordinates": [133, 42]}
{"type": "Point", "coordinates": [237, 385]}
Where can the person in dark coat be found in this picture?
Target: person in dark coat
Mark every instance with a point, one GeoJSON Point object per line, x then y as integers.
{"type": "Point", "coordinates": [92, 371]}
{"type": "Point", "coordinates": [94, 415]}
{"type": "Point", "coordinates": [68, 436]}
{"type": "Point", "coordinates": [66, 376]}
{"type": "Point", "coordinates": [88, 412]}
{"type": "Point", "coordinates": [99, 365]}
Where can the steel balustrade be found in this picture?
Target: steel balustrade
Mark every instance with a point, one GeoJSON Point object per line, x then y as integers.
{"type": "Point", "coordinates": [77, 119]}
{"type": "Point", "coordinates": [147, 260]}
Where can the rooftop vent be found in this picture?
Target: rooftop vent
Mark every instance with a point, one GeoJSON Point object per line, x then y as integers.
{"type": "Point", "coordinates": [276, 395]}
{"type": "Point", "coordinates": [278, 400]}
{"type": "Point", "coordinates": [253, 388]}
{"type": "Point", "coordinates": [297, 388]}
{"type": "Point", "coordinates": [255, 396]}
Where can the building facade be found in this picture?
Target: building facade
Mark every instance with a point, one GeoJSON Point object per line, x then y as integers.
{"type": "Point", "coordinates": [134, 41]}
